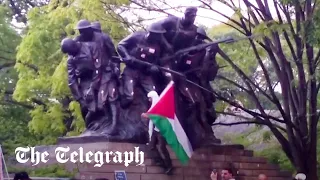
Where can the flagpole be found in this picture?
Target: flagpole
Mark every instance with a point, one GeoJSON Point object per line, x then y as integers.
{"type": "Point", "coordinates": [4, 162]}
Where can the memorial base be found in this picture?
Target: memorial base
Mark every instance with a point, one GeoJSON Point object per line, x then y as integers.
{"type": "Point", "coordinates": [93, 139]}
{"type": "Point", "coordinates": [203, 161]}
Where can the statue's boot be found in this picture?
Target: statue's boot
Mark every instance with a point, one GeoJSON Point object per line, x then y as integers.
{"type": "Point", "coordinates": [114, 110]}
{"type": "Point", "coordinates": [91, 124]}
{"type": "Point", "coordinates": [115, 117]}
{"type": "Point", "coordinates": [206, 120]}
{"type": "Point", "coordinates": [210, 139]}
{"type": "Point", "coordinates": [89, 121]}
{"type": "Point", "coordinates": [211, 115]}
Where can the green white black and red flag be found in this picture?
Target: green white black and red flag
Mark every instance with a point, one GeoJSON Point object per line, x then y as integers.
{"type": "Point", "coordinates": [163, 115]}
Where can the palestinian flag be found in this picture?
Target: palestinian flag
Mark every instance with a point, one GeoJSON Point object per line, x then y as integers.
{"type": "Point", "coordinates": [162, 114]}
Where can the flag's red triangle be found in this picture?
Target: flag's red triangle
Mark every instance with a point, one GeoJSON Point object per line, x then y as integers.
{"type": "Point", "coordinates": [165, 106]}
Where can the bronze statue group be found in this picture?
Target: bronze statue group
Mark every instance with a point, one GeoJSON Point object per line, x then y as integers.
{"type": "Point", "coordinates": [112, 102]}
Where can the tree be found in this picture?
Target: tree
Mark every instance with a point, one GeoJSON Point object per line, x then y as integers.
{"type": "Point", "coordinates": [20, 8]}
{"type": "Point", "coordinates": [285, 48]}
{"type": "Point", "coordinates": [283, 52]}
{"type": "Point", "coordinates": [298, 101]}
{"type": "Point", "coordinates": [243, 56]}
{"type": "Point", "coordinates": [14, 116]}
{"type": "Point", "coordinates": [9, 40]}
{"type": "Point", "coordinates": [14, 129]}
{"type": "Point", "coordinates": [55, 113]}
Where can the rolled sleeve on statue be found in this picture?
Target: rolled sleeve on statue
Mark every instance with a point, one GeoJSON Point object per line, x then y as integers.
{"type": "Point", "coordinates": [73, 79]}
{"type": "Point", "coordinates": [126, 45]}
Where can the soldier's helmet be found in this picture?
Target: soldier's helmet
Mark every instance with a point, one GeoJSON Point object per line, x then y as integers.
{"type": "Point", "coordinates": [96, 25]}
{"type": "Point", "coordinates": [68, 45]}
{"type": "Point", "coordinates": [156, 28]}
{"type": "Point", "coordinates": [191, 10]}
{"type": "Point", "coordinates": [83, 24]}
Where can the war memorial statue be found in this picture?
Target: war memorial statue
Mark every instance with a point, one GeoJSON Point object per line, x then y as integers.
{"type": "Point", "coordinates": [112, 103]}
{"type": "Point", "coordinates": [192, 107]}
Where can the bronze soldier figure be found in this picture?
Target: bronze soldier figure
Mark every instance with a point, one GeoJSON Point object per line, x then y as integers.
{"type": "Point", "coordinates": [160, 153]}
{"type": "Point", "coordinates": [191, 103]}
{"type": "Point", "coordinates": [190, 100]}
{"type": "Point", "coordinates": [96, 26]}
{"type": "Point", "coordinates": [143, 46]}
{"type": "Point", "coordinates": [81, 76]}
{"type": "Point", "coordinates": [106, 69]}
{"type": "Point", "coordinates": [208, 73]}
{"type": "Point", "coordinates": [180, 32]}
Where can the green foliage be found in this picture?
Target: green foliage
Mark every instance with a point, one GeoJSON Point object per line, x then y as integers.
{"type": "Point", "coordinates": [269, 27]}
{"type": "Point", "coordinates": [94, 10]}
{"type": "Point", "coordinates": [313, 36]}
{"type": "Point", "coordinates": [78, 123]}
{"type": "Point", "coordinates": [240, 51]}
{"type": "Point", "coordinates": [9, 39]}
{"type": "Point", "coordinates": [266, 136]}
{"type": "Point", "coordinates": [246, 139]}
{"type": "Point", "coordinates": [13, 118]}
{"type": "Point", "coordinates": [21, 7]}
{"type": "Point", "coordinates": [271, 151]}
{"type": "Point", "coordinates": [14, 129]}
{"type": "Point", "coordinates": [49, 171]}
{"type": "Point", "coordinates": [275, 155]}
{"type": "Point", "coordinates": [60, 87]}
{"type": "Point", "coordinates": [242, 56]}
{"type": "Point", "coordinates": [48, 25]}
{"type": "Point", "coordinates": [48, 121]}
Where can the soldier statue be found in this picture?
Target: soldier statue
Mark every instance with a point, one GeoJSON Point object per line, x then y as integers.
{"type": "Point", "coordinates": [206, 70]}
{"type": "Point", "coordinates": [106, 69]}
{"type": "Point", "coordinates": [191, 104]}
{"type": "Point", "coordinates": [96, 26]}
{"type": "Point", "coordinates": [180, 32]}
{"type": "Point", "coordinates": [142, 46]}
{"type": "Point", "coordinates": [208, 73]}
{"type": "Point", "coordinates": [158, 145]}
{"type": "Point", "coordinates": [81, 77]}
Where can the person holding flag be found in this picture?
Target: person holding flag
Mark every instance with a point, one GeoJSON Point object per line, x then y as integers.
{"type": "Point", "coordinates": [161, 154]}
{"type": "Point", "coordinates": [162, 113]}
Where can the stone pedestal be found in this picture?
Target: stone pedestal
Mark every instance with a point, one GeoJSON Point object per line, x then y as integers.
{"type": "Point", "coordinates": [247, 167]}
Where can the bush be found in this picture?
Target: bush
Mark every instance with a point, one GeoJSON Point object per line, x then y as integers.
{"type": "Point", "coordinates": [49, 171]}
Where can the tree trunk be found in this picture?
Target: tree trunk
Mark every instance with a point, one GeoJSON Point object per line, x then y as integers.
{"type": "Point", "coordinates": [311, 164]}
